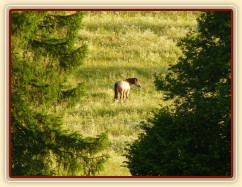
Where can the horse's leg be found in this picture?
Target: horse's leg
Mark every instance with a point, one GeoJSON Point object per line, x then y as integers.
{"type": "Point", "coordinates": [121, 96]}
{"type": "Point", "coordinates": [116, 98]}
{"type": "Point", "coordinates": [116, 91]}
{"type": "Point", "coordinates": [127, 94]}
{"type": "Point", "coordinates": [124, 95]}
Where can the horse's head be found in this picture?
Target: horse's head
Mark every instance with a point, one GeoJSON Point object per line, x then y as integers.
{"type": "Point", "coordinates": [133, 81]}
{"type": "Point", "coordinates": [137, 83]}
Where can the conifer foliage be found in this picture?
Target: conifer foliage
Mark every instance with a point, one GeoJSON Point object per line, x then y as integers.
{"type": "Point", "coordinates": [192, 137]}
{"type": "Point", "coordinates": [45, 53]}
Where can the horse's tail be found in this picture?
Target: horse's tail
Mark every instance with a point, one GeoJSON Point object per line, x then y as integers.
{"type": "Point", "coordinates": [116, 91]}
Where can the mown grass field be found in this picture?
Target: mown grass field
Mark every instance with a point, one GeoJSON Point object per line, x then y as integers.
{"type": "Point", "coordinates": [122, 45]}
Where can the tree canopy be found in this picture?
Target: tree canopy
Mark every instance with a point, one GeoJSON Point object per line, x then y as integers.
{"type": "Point", "coordinates": [45, 53]}
{"type": "Point", "coordinates": [192, 137]}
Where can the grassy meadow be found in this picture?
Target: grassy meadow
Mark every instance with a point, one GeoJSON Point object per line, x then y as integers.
{"type": "Point", "coordinates": [122, 45]}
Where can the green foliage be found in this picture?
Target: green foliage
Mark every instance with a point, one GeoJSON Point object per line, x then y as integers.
{"type": "Point", "coordinates": [192, 137]}
{"type": "Point", "coordinates": [45, 54]}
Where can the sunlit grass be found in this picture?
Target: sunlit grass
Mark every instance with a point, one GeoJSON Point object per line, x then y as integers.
{"type": "Point", "coordinates": [122, 45]}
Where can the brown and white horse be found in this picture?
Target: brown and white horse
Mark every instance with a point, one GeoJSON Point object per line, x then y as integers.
{"type": "Point", "coordinates": [123, 88]}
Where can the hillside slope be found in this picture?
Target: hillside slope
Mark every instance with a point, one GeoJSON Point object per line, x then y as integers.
{"type": "Point", "coordinates": [122, 45]}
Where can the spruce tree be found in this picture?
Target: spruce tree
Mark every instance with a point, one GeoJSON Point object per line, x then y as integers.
{"type": "Point", "coordinates": [192, 137]}
{"type": "Point", "coordinates": [45, 53]}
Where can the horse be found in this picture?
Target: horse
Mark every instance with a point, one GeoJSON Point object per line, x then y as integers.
{"type": "Point", "coordinates": [123, 88]}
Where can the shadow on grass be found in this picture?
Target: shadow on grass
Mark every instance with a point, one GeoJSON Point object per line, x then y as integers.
{"type": "Point", "coordinates": [92, 73]}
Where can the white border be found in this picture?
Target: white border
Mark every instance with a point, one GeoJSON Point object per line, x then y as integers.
{"type": "Point", "coordinates": [122, 180]}
{"type": "Point", "coordinates": [133, 6]}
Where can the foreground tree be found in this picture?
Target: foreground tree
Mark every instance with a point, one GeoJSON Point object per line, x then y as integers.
{"type": "Point", "coordinates": [45, 54]}
{"type": "Point", "coordinates": [193, 136]}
